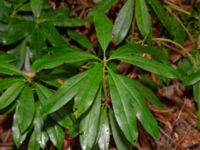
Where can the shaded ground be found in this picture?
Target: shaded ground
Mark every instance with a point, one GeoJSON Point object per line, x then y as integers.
{"type": "Point", "coordinates": [178, 122]}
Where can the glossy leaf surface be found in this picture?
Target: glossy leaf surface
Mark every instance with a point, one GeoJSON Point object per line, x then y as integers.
{"type": "Point", "coordinates": [18, 138]}
{"type": "Point", "coordinates": [126, 89]}
{"type": "Point", "coordinates": [57, 15]}
{"type": "Point", "coordinates": [102, 6]}
{"type": "Point", "coordinates": [123, 22]}
{"type": "Point", "coordinates": [151, 66]}
{"type": "Point", "coordinates": [56, 134]}
{"type": "Point", "coordinates": [122, 106]}
{"type": "Point", "coordinates": [104, 131]}
{"type": "Point", "coordinates": [149, 94]}
{"type": "Point", "coordinates": [39, 136]}
{"type": "Point", "coordinates": [84, 99]}
{"type": "Point", "coordinates": [60, 17]}
{"type": "Point", "coordinates": [132, 48]}
{"type": "Point", "coordinates": [9, 69]}
{"type": "Point", "coordinates": [6, 82]}
{"type": "Point", "coordinates": [20, 53]}
{"type": "Point", "coordinates": [7, 58]}
{"type": "Point", "coordinates": [23, 27]}
{"type": "Point", "coordinates": [142, 112]}
{"type": "Point", "coordinates": [33, 144]}
{"type": "Point", "coordinates": [36, 7]}
{"type": "Point", "coordinates": [37, 43]}
{"type": "Point", "coordinates": [70, 88]}
{"type": "Point", "coordinates": [103, 27]}
{"type": "Point", "coordinates": [118, 136]}
{"type": "Point", "coordinates": [70, 22]}
{"type": "Point", "coordinates": [89, 124]}
{"type": "Point", "coordinates": [81, 39]}
{"type": "Point", "coordinates": [64, 94]}
{"type": "Point", "coordinates": [25, 109]}
{"type": "Point", "coordinates": [69, 55]}
{"type": "Point", "coordinates": [10, 94]}
{"type": "Point", "coordinates": [53, 36]}
{"type": "Point", "coordinates": [142, 17]}
{"type": "Point", "coordinates": [60, 116]}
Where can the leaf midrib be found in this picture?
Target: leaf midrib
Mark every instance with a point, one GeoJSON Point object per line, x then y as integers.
{"type": "Point", "coordinates": [143, 112]}
{"type": "Point", "coordinates": [121, 103]}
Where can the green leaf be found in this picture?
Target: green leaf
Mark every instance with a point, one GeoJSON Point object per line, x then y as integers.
{"type": "Point", "coordinates": [132, 48]}
{"type": "Point", "coordinates": [60, 116]}
{"type": "Point", "coordinates": [7, 58]}
{"type": "Point", "coordinates": [69, 22]}
{"type": "Point", "coordinates": [81, 39]}
{"type": "Point", "coordinates": [9, 69]}
{"type": "Point", "coordinates": [120, 139]}
{"type": "Point", "coordinates": [151, 66]}
{"type": "Point", "coordinates": [69, 89]}
{"type": "Point", "coordinates": [18, 138]}
{"type": "Point", "coordinates": [54, 15]}
{"type": "Point", "coordinates": [36, 6]}
{"type": "Point", "coordinates": [53, 83]}
{"type": "Point", "coordinates": [148, 94]}
{"type": "Point", "coordinates": [25, 109]}
{"type": "Point", "coordinates": [124, 90]}
{"type": "Point", "coordinates": [103, 27]}
{"type": "Point", "coordinates": [17, 1]}
{"type": "Point", "coordinates": [196, 93]}
{"type": "Point", "coordinates": [179, 32]}
{"type": "Point", "coordinates": [37, 43]}
{"type": "Point", "coordinates": [170, 23]}
{"type": "Point", "coordinates": [25, 8]}
{"type": "Point", "coordinates": [142, 17]}
{"type": "Point", "coordinates": [68, 55]}
{"type": "Point", "coordinates": [140, 107]}
{"type": "Point", "coordinates": [104, 131]}
{"type": "Point", "coordinates": [185, 66]}
{"type": "Point", "coordinates": [53, 36]}
{"type": "Point", "coordinates": [10, 94]}
{"type": "Point", "coordinates": [122, 105]}
{"type": "Point", "coordinates": [33, 143]}
{"type": "Point", "coordinates": [56, 134]}
{"type": "Point", "coordinates": [102, 6]}
{"type": "Point", "coordinates": [160, 12]}
{"type": "Point", "coordinates": [3, 27]}
{"type": "Point", "coordinates": [18, 30]}
{"type": "Point", "coordinates": [84, 99]}
{"type": "Point", "coordinates": [60, 17]}
{"type": "Point", "coordinates": [20, 53]}
{"type": "Point", "coordinates": [123, 22]}
{"type": "Point", "coordinates": [6, 82]}
{"type": "Point", "coordinates": [4, 10]}
{"type": "Point", "coordinates": [42, 138]}
{"type": "Point", "coordinates": [43, 93]}
{"type": "Point", "coordinates": [39, 137]}
{"type": "Point", "coordinates": [128, 49]}
{"type": "Point", "coordinates": [64, 94]}
{"type": "Point", "coordinates": [89, 124]}
{"type": "Point", "coordinates": [74, 131]}
{"type": "Point", "coordinates": [192, 79]}
{"type": "Point", "coordinates": [38, 140]}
